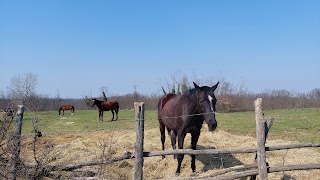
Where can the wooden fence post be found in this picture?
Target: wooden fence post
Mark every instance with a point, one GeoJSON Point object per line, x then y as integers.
{"type": "Point", "coordinates": [14, 145]}
{"type": "Point", "coordinates": [267, 125]}
{"type": "Point", "coordinates": [260, 131]}
{"type": "Point", "coordinates": [138, 166]}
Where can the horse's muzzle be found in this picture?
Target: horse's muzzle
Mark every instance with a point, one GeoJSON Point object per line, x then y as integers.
{"type": "Point", "coordinates": [212, 126]}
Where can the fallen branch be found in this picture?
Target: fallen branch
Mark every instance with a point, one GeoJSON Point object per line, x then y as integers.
{"type": "Point", "coordinates": [227, 170]}
{"type": "Point", "coordinates": [70, 167]}
{"type": "Point", "coordinates": [247, 173]}
{"type": "Point", "coordinates": [270, 170]}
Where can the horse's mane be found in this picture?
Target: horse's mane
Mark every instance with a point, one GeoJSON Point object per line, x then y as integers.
{"type": "Point", "coordinates": [190, 91]}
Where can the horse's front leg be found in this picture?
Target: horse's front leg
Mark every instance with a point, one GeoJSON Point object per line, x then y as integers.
{"type": "Point", "coordinates": [112, 115]}
{"type": "Point", "coordinates": [194, 141]}
{"type": "Point", "coordinates": [181, 137]}
{"type": "Point", "coordinates": [101, 116]}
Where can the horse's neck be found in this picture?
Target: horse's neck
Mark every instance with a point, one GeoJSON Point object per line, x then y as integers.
{"type": "Point", "coordinates": [194, 102]}
{"type": "Point", "coordinates": [99, 104]}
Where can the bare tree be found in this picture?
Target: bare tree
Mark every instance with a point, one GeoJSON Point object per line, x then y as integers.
{"type": "Point", "coordinates": [315, 93]}
{"type": "Point", "coordinates": [22, 87]}
{"type": "Point", "coordinates": [178, 84]}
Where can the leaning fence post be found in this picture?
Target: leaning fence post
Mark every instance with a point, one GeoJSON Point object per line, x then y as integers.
{"type": "Point", "coordinates": [14, 145]}
{"type": "Point", "coordinates": [138, 166]}
{"type": "Point", "coordinates": [260, 131]}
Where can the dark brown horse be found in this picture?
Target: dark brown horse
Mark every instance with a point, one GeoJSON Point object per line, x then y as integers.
{"type": "Point", "coordinates": [66, 107]}
{"type": "Point", "coordinates": [182, 114]}
{"type": "Point", "coordinates": [106, 106]}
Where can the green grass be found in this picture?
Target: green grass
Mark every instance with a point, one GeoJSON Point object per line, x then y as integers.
{"type": "Point", "coordinates": [49, 122]}
{"type": "Point", "coordinates": [301, 125]}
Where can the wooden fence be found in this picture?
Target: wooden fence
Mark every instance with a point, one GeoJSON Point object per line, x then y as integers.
{"type": "Point", "coordinates": [261, 167]}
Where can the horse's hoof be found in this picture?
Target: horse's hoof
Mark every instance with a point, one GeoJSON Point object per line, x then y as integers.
{"type": "Point", "coordinates": [163, 157]}
{"type": "Point", "coordinates": [177, 173]}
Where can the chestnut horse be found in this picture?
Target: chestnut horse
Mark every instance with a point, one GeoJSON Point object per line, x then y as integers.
{"type": "Point", "coordinates": [66, 107]}
{"type": "Point", "coordinates": [106, 106]}
{"type": "Point", "coordinates": [182, 114]}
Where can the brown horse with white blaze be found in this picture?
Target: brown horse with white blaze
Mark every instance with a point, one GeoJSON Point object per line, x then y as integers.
{"type": "Point", "coordinates": [182, 114]}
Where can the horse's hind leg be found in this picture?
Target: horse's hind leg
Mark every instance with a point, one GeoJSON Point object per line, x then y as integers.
{"type": "Point", "coordinates": [117, 113]}
{"type": "Point", "coordinates": [163, 136]}
{"type": "Point", "coordinates": [173, 141]}
{"type": "Point", "coordinates": [112, 115]}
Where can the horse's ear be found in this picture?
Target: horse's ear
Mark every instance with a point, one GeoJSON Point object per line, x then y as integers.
{"type": "Point", "coordinates": [213, 88]}
{"type": "Point", "coordinates": [196, 86]}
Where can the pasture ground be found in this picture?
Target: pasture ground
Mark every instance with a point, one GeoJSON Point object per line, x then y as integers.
{"type": "Point", "coordinates": [80, 138]}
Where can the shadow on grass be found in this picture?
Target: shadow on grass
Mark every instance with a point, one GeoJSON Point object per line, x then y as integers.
{"type": "Point", "coordinates": [217, 161]}
{"type": "Point", "coordinates": [287, 177]}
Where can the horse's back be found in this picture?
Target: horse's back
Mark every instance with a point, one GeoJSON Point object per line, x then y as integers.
{"type": "Point", "coordinates": [167, 98]}
{"type": "Point", "coordinates": [111, 105]}
{"type": "Point", "coordinates": [69, 107]}
{"type": "Point", "coordinates": [166, 107]}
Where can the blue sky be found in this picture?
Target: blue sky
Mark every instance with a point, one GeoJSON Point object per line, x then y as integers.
{"type": "Point", "coordinates": [76, 47]}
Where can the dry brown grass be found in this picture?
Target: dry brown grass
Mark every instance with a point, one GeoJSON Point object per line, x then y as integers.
{"type": "Point", "coordinates": [80, 147]}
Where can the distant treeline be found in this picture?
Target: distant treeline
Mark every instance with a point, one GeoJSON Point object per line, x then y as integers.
{"type": "Point", "coordinates": [228, 100]}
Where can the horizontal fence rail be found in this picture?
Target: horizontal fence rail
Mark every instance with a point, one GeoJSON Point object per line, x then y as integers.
{"type": "Point", "coordinates": [227, 151]}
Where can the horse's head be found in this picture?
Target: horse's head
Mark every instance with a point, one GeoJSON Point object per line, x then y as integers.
{"type": "Point", "coordinates": [207, 104]}
{"type": "Point", "coordinates": [94, 101]}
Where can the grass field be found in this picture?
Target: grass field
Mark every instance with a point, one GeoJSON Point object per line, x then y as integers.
{"type": "Point", "coordinates": [301, 125]}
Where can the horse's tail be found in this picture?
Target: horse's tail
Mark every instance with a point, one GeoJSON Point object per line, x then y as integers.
{"type": "Point", "coordinates": [117, 106]}
{"type": "Point", "coordinates": [164, 99]}
{"type": "Point", "coordinates": [72, 108]}
{"type": "Point", "coordinates": [60, 110]}
{"type": "Point", "coordinates": [159, 107]}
